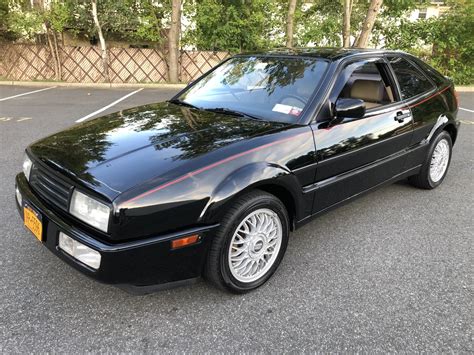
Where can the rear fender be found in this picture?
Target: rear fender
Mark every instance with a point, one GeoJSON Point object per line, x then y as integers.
{"type": "Point", "coordinates": [444, 122]}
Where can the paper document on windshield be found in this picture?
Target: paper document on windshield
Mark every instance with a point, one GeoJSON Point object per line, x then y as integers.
{"type": "Point", "coordinates": [287, 109]}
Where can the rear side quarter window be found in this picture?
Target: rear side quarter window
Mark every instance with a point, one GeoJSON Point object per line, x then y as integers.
{"type": "Point", "coordinates": [432, 73]}
{"type": "Point", "coordinates": [411, 80]}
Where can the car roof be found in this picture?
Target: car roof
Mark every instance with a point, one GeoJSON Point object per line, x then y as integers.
{"type": "Point", "coordinates": [321, 52]}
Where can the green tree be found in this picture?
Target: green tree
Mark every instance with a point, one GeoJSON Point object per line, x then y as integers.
{"type": "Point", "coordinates": [21, 20]}
{"type": "Point", "coordinates": [445, 42]}
{"type": "Point", "coordinates": [319, 24]}
{"type": "Point", "coordinates": [5, 32]}
{"type": "Point", "coordinates": [125, 19]}
{"type": "Point", "coordinates": [234, 25]}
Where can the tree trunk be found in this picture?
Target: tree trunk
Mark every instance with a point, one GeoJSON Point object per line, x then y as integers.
{"type": "Point", "coordinates": [53, 53]}
{"type": "Point", "coordinates": [290, 23]}
{"type": "Point", "coordinates": [346, 24]}
{"type": "Point", "coordinates": [173, 42]}
{"type": "Point", "coordinates": [58, 59]}
{"type": "Point", "coordinates": [368, 24]}
{"type": "Point", "coordinates": [103, 47]}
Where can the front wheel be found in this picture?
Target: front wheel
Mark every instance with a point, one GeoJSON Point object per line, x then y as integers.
{"type": "Point", "coordinates": [249, 244]}
{"type": "Point", "coordinates": [435, 167]}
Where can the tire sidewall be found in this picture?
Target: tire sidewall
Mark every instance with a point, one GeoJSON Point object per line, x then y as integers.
{"type": "Point", "coordinates": [442, 135]}
{"type": "Point", "coordinates": [266, 202]}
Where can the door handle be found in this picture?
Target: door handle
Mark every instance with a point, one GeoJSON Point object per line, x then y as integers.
{"type": "Point", "coordinates": [400, 116]}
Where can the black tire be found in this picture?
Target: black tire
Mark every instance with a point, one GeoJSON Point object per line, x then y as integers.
{"type": "Point", "coordinates": [423, 179]}
{"type": "Point", "coordinates": [217, 270]}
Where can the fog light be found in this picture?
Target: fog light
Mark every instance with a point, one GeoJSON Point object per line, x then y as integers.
{"type": "Point", "coordinates": [79, 251]}
{"type": "Point", "coordinates": [19, 199]}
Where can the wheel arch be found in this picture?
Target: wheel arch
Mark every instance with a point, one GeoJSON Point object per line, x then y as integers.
{"type": "Point", "coordinates": [450, 127]}
{"type": "Point", "coordinates": [271, 178]}
{"type": "Point", "coordinates": [285, 196]}
{"type": "Point", "coordinates": [444, 123]}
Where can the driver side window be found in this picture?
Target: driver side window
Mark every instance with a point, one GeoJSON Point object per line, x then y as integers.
{"type": "Point", "coordinates": [368, 83]}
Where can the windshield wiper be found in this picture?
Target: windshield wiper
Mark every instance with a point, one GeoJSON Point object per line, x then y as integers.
{"type": "Point", "coordinates": [223, 110]}
{"type": "Point", "coordinates": [183, 103]}
{"type": "Point", "coordinates": [227, 111]}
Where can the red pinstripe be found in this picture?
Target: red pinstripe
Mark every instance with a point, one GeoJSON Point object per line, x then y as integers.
{"type": "Point", "coordinates": [429, 98]}
{"type": "Point", "coordinates": [233, 157]}
{"type": "Point", "coordinates": [208, 167]}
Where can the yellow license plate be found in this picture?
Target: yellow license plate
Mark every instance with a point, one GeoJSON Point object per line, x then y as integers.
{"type": "Point", "coordinates": [33, 222]}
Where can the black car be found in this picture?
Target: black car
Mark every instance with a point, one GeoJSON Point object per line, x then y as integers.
{"type": "Point", "coordinates": [211, 182]}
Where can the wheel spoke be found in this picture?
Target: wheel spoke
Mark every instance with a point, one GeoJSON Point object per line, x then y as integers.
{"type": "Point", "coordinates": [254, 267]}
{"type": "Point", "coordinates": [236, 252]}
{"type": "Point", "coordinates": [239, 239]}
{"type": "Point", "coordinates": [272, 242]}
{"type": "Point", "coordinates": [268, 224]}
{"type": "Point", "coordinates": [243, 263]}
{"type": "Point", "coordinates": [248, 268]}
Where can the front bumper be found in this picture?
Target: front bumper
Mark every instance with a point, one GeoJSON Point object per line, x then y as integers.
{"type": "Point", "coordinates": [139, 263]}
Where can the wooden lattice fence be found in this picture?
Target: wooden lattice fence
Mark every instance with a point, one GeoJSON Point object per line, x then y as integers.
{"type": "Point", "coordinates": [84, 65]}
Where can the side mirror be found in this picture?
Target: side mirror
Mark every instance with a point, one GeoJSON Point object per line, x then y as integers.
{"type": "Point", "coordinates": [349, 108]}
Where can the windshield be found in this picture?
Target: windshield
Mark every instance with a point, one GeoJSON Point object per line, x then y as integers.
{"type": "Point", "coordinates": [274, 89]}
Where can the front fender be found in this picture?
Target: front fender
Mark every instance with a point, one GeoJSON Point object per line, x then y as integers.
{"type": "Point", "coordinates": [247, 177]}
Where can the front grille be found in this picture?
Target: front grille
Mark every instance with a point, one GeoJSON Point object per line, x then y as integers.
{"type": "Point", "coordinates": [50, 187]}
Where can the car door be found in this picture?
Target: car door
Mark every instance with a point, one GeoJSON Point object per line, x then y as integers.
{"type": "Point", "coordinates": [355, 155]}
{"type": "Point", "coordinates": [420, 94]}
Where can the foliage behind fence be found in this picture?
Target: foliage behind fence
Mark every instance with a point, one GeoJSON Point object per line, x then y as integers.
{"type": "Point", "coordinates": [83, 64]}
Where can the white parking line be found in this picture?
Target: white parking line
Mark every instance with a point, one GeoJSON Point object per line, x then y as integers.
{"type": "Point", "coordinates": [466, 109]}
{"type": "Point", "coordinates": [26, 93]}
{"type": "Point", "coordinates": [108, 106]}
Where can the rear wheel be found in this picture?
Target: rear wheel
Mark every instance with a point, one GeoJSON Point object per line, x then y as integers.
{"type": "Point", "coordinates": [249, 244]}
{"type": "Point", "coordinates": [435, 167]}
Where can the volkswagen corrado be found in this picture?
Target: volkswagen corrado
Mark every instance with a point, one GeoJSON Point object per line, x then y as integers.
{"type": "Point", "coordinates": [211, 182]}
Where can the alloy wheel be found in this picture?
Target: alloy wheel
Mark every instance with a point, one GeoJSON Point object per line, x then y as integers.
{"type": "Point", "coordinates": [255, 245]}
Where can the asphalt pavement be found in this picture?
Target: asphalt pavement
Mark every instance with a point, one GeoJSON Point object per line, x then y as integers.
{"type": "Point", "coordinates": [391, 271]}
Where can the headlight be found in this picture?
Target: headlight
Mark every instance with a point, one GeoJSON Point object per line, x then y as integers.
{"type": "Point", "coordinates": [90, 210]}
{"type": "Point", "coordinates": [27, 164]}
{"type": "Point", "coordinates": [79, 251]}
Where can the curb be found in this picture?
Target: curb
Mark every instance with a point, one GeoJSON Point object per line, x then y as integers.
{"type": "Point", "coordinates": [465, 88]}
{"type": "Point", "coordinates": [134, 85]}
{"type": "Point", "coordinates": [94, 85]}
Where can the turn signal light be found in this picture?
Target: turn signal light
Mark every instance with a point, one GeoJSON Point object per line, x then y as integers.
{"type": "Point", "coordinates": [183, 242]}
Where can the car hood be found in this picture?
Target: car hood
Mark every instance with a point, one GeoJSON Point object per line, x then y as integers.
{"type": "Point", "coordinates": [114, 153]}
